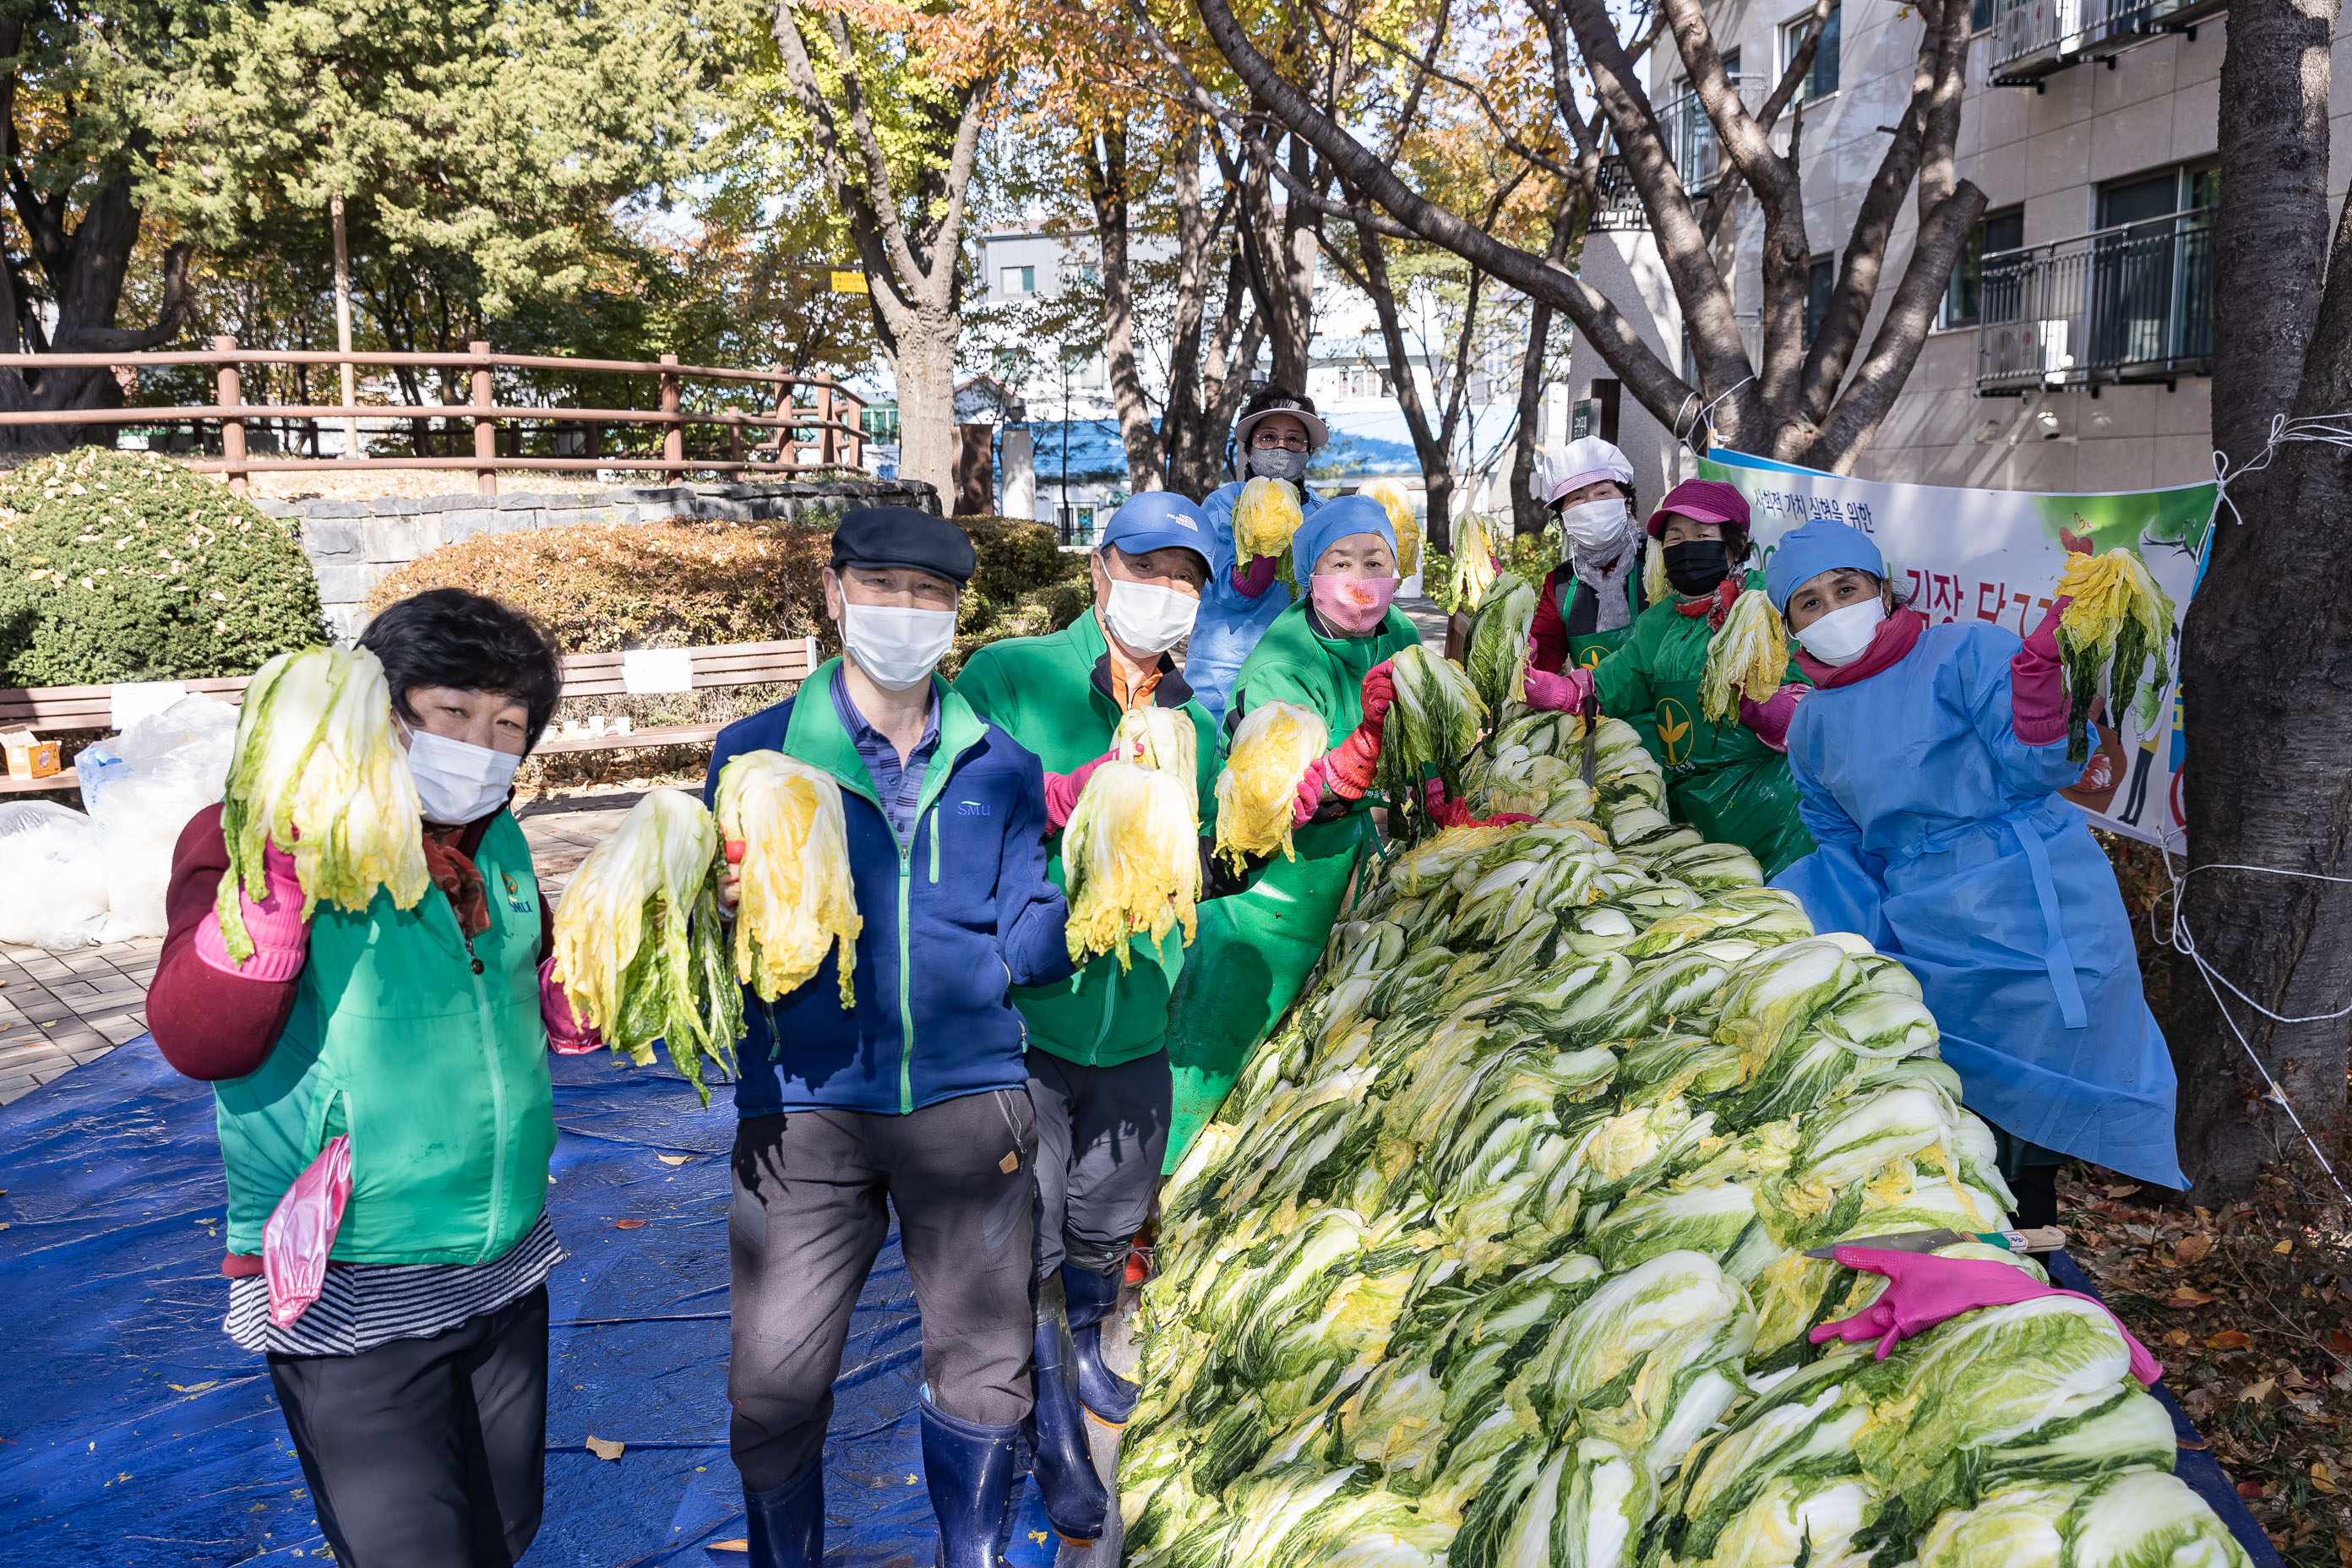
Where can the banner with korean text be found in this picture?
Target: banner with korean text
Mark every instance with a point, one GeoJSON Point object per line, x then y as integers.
{"type": "Point", "coordinates": [1996, 555]}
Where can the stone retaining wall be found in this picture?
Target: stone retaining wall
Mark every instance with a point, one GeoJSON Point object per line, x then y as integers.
{"type": "Point", "coordinates": [354, 545]}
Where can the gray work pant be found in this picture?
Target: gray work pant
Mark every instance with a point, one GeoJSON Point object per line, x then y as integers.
{"type": "Point", "coordinates": [808, 1220]}
{"type": "Point", "coordinates": [1101, 1135]}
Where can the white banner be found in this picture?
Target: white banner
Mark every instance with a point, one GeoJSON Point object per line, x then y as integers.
{"type": "Point", "coordinates": [1996, 555]}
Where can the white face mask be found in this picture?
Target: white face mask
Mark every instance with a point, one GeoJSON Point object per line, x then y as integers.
{"type": "Point", "coordinates": [1152, 619]}
{"type": "Point", "coordinates": [456, 781]}
{"type": "Point", "coordinates": [1596, 525]}
{"type": "Point", "coordinates": [895, 647]}
{"type": "Point", "coordinates": [1844, 636]}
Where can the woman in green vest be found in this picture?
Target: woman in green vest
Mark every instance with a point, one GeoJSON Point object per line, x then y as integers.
{"type": "Point", "coordinates": [1588, 605]}
{"type": "Point", "coordinates": [1097, 1056]}
{"type": "Point", "coordinates": [1328, 652]}
{"type": "Point", "coordinates": [414, 1385]}
{"type": "Point", "coordinates": [1729, 779]}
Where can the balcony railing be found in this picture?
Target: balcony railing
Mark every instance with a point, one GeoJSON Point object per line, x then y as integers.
{"type": "Point", "coordinates": [2033, 38]}
{"type": "Point", "coordinates": [1620, 210]}
{"type": "Point", "coordinates": [2131, 303]}
{"type": "Point", "coordinates": [1691, 141]}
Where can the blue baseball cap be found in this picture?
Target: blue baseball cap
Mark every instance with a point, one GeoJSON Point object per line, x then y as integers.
{"type": "Point", "coordinates": [1159, 520]}
{"type": "Point", "coordinates": [1819, 546]}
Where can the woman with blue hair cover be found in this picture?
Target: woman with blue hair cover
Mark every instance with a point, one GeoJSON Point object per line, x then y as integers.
{"type": "Point", "coordinates": [1928, 762]}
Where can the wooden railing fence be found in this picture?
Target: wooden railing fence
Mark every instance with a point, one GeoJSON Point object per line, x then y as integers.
{"type": "Point", "coordinates": [823, 432]}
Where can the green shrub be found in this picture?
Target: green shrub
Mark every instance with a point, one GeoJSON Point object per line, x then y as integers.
{"type": "Point", "coordinates": [126, 567]}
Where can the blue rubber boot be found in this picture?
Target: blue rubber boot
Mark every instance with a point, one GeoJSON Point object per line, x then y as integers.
{"type": "Point", "coordinates": [967, 1468]}
{"type": "Point", "coordinates": [1075, 1500]}
{"type": "Point", "coordinates": [1108, 1397]}
{"type": "Point", "coordinates": [787, 1522]}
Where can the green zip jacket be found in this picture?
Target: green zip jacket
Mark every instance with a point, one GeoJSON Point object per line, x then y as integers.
{"type": "Point", "coordinates": [1053, 695]}
{"type": "Point", "coordinates": [1720, 778]}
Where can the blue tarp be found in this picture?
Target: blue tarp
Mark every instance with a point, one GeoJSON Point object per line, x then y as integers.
{"type": "Point", "coordinates": [1098, 456]}
{"type": "Point", "coordinates": [132, 1430]}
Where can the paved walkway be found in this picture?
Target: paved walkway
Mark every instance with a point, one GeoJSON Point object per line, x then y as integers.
{"type": "Point", "coordinates": [59, 1010]}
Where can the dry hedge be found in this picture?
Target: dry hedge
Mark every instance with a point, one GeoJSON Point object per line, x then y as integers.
{"type": "Point", "coordinates": [601, 589]}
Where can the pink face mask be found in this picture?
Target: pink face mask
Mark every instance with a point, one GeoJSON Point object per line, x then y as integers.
{"type": "Point", "coordinates": [1352, 605]}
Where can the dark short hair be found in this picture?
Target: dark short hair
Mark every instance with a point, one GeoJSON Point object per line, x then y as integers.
{"type": "Point", "coordinates": [449, 636]}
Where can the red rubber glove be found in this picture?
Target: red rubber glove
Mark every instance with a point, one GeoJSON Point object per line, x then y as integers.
{"type": "Point", "coordinates": [566, 1035]}
{"type": "Point", "coordinates": [1348, 768]}
{"type": "Point", "coordinates": [1769, 720]}
{"type": "Point", "coordinates": [1311, 786]}
{"type": "Point", "coordinates": [2037, 683]}
{"type": "Point", "coordinates": [1561, 693]}
{"type": "Point", "coordinates": [1253, 577]}
{"type": "Point", "coordinates": [1924, 1290]}
{"type": "Point", "coordinates": [1455, 813]}
{"type": "Point", "coordinates": [1379, 694]}
{"type": "Point", "coordinates": [1062, 790]}
{"type": "Point", "coordinates": [281, 937]}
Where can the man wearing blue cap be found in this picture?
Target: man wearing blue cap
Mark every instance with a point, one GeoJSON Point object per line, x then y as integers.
{"type": "Point", "coordinates": [912, 1097]}
{"type": "Point", "coordinates": [1928, 762]}
{"type": "Point", "coordinates": [1098, 1073]}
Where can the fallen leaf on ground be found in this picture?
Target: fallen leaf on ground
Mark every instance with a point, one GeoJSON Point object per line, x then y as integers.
{"type": "Point", "coordinates": [2125, 1191]}
{"type": "Point", "coordinates": [673, 1159]}
{"type": "Point", "coordinates": [604, 1447]}
{"type": "Point", "coordinates": [2339, 1342]}
{"type": "Point", "coordinates": [2182, 1296]}
{"type": "Point", "coordinates": [2230, 1340]}
{"type": "Point", "coordinates": [2284, 1247]}
{"type": "Point", "coordinates": [2191, 1248]}
{"type": "Point", "coordinates": [640, 1225]}
{"type": "Point", "coordinates": [737, 1545]}
{"type": "Point", "coordinates": [2250, 1488]}
{"type": "Point", "coordinates": [2255, 1393]}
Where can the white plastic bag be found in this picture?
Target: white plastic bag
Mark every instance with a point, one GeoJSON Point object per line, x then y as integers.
{"type": "Point", "coordinates": [142, 786]}
{"type": "Point", "coordinates": [56, 887]}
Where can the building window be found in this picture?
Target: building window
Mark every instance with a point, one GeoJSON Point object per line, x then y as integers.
{"type": "Point", "coordinates": [1980, 16]}
{"type": "Point", "coordinates": [1018, 280]}
{"type": "Point", "coordinates": [1823, 79]}
{"type": "Point", "coordinates": [1994, 232]}
{"type": "Point", "coordinates": [1821, 278]}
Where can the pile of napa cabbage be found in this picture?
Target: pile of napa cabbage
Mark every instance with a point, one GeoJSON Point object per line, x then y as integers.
{"type": "Point", "coordinates": [1494, 1257]}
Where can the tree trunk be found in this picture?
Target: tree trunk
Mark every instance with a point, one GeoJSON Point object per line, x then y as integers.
{"type": "Point", "coordinates": [1107, 186]}
{"type": "Point", "coordinates": [1528, 513]}
{"type": "Point", "coordinates": [2266, 655]}
{"type": "Point", "coordinates": [924, 370]}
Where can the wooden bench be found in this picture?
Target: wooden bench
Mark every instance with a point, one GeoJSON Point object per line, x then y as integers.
{"type": "Point", "coordinates": [50, 709]}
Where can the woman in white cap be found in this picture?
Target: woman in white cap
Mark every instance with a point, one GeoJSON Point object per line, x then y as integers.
{"type": "Point", "coordinates": [1587, 605]}
{"type": "Point", "coordinates": [1276, 436]}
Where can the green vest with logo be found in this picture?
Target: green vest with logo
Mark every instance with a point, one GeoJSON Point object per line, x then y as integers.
{"type": "Point", "coordinates": [431, 1058]}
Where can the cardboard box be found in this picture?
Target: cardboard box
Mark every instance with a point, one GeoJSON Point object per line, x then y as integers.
{"type": "Point", "coordinates": [30, 757]}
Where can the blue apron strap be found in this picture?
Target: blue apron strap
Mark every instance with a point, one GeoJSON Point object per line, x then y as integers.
{"type": "Point", "coordinates": [2056, 956]}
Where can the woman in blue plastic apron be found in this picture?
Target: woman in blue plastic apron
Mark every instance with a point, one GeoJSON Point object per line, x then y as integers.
{"type": "Point", "coordinates": [1275, 439]}
{"type": "Point", "coordinates": [1928, 762]}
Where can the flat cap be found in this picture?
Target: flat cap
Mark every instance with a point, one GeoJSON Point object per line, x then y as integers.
{"type": "Point", "coordinates": [904, 536]}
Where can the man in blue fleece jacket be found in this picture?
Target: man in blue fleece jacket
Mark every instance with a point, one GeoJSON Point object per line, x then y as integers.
{"type": "Point", "coordinates": [914, 1097]}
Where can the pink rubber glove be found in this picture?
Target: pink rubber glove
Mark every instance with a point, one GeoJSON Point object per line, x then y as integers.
{"type": "Point", "coordinates": [1311, 786]}
{"type": "Point", "coordinates": [281, 937]}
{"type": "Point", "coordinates": [566, 1035]}
{"type": "Point", "coordinates": [300, 1232]}
{"type": "Point", "coordinates": [1455, 813]}
{"type": "Point", "coordinates": [1561, 693]}
{"type": "Point", "coordinates": [1924, 1290]}
{"type": "Point", "coordinates": [1769, 720]}
{"type": "Point", "coordinates": [1062, 790]}
{"type": "Point", "coordinates": [1253, 577]}
{"type": "Point", "coordinates": [2037, 683]}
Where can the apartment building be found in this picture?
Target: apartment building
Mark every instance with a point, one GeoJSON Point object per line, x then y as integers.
{"type": "Point", "coordinates": [2075, 349]}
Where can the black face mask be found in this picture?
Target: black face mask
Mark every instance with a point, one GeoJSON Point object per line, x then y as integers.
{"type": "Point", "coordinates": [1697, 565]}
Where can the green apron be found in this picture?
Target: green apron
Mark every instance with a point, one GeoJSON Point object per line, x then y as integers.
{"type": "Point", "coordinates": [1052, 694]}
{"type": "Point", "coordinates": [1720, 779]}
{"type": "Point", "coordinates": [1256, 948]}
{"type": "Point", "coordinates": [1586, 649]}
{"type": "Point", "coordinates": [430, 1054]}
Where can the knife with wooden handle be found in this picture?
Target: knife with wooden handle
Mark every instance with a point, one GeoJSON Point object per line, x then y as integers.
{"type": "Point", "coordinates": [2044, 1238]}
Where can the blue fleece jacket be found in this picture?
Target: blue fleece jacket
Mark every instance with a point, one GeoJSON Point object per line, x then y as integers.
{"type": "Point", "coordinates": [953, 919]}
